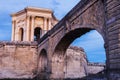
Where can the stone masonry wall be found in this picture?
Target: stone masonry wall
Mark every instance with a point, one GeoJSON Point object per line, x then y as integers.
{"type": "Point", "coordinates": [75, 63]}
{"type": "Point", "coordinates": [77, 66]}
{"type": "Point", "coordinates": [112, 9]}
{"type": "Point", "coordinates": [94, 68]}
{"type": "Point", "coordinates": [18, 60]}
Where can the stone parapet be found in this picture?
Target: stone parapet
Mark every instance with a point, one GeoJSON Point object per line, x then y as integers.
{"type": "Point", "coordinates": [24, 43]}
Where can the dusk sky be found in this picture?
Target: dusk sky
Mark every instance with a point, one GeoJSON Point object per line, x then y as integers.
{"type": "Point", "coordinates": [92, 42]}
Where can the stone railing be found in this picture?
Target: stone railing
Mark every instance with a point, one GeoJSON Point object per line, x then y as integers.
{"type": "Point", "coordinates": [25, 43]}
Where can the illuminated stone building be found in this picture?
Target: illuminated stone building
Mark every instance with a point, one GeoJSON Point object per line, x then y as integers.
{"type": "Point", "coordinates": [31, 23]}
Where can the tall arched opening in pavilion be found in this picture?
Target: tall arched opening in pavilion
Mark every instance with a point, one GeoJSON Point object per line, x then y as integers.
{"type": "Point", "coordinates": [21, 34]}
{"type": "Point", "coordinates": [37, 33]}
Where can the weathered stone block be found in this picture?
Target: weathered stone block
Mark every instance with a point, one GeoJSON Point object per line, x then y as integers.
{"type": "Point", "coordinates": [17, 61]}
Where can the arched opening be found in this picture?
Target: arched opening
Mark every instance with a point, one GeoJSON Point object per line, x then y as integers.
{"type": "Point", "coordinates": [93, 44]}
{"type": "Point", "coordinates": [43, 65]}
{"type": "Point", "coordinates": [60, 50]}
{"type": "Point", "coordinates": [21, 34]}
{"type": "Point", "coordinates": [37, 33]}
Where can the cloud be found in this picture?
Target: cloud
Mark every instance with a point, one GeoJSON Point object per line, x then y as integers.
{"type": "Point", "coordinates": [60, 7]}
{"type": "Point", "coordinates": [63, 7]}
{"type": "Point", "coordinates": [12, 5]}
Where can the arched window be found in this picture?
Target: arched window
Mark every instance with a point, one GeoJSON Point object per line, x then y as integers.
{"type": "Point", "coordinates": [21, 34]}
{"type": "Point", "coordinates": [37, 33]}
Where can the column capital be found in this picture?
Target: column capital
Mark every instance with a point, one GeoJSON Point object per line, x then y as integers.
{"type": "Point", "coordinates": [32, 16]}
{"type": "Point", "coordinates": [49, 17]}
{"type": "Point", "coordinates": [28, 16]}
{"type": "Point", "coordinates": [45, 18]}
{"type": "Point", "coordinates": [13, 21]}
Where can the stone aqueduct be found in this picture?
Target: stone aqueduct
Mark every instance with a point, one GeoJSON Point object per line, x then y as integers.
{"type": "Point", "coordinates": [100, 15]}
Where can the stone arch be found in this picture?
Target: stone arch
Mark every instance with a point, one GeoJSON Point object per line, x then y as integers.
{"type": "Point", "coordinates": [61, 47]}
{"type": "Point", "coordinates": [21, 34]}
{"type": "Point", "coordinates": [43, 65]}
{"type": "Point", "coordinates": [37, 33]}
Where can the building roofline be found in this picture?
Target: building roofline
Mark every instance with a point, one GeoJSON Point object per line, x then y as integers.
{"type": "Point", "coordinates": [32, 8]}
{"type": "Point", "coordinates": [38, 8]}
{"type": "Point", "coordinates": [55, 17]}
{"type": "Point", "coordinates": [19, 12]}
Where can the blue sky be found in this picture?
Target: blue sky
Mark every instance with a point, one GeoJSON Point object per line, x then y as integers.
{"type": "Point", "coordinates": [91, 42]}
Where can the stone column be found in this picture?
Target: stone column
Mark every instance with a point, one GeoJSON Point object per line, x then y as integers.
{"type": "Point", "coordinates": [16, 34]}
{"type": "Point", "coordinates": [13, 31]}
{"type": "Point", "coordinates": [45, 26]}
{"type": "Point", "coordinates": [49, 24]}
{"type": "Point", "coordinates": [27, 28]}
{"type": "Point", "coordinates": [32, 28]}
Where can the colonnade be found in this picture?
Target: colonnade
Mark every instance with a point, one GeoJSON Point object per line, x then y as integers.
{"type": "Point", "coordinates": [29, 26]}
